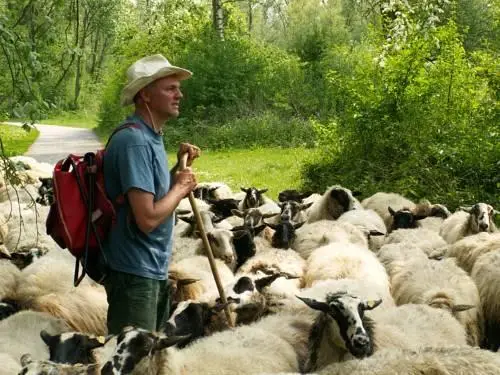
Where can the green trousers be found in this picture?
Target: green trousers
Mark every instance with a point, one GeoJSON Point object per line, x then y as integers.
{"type": "Point", "coordinates": [135, 301]}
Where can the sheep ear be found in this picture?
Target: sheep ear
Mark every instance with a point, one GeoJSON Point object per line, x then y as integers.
{"type": "Point", "coordinates": [260, 284]}
{"type": "Point", "coordinates": [465, 208]}
{"type": "Point", "coordinates": [458, 308]}
{"type": "Point", "coordinates": [419, 217]}
{"type": "Point", "coordinates": [95, 342]}
{"type": "Point", "coordinates": [259, 229]}
{"type": "Point", "coordinates": [298, 225]}
{"type": "Point", "coordinates": [244, 189]}
{"type": "Point", "coordinates": [356, 193]}
{"type": "Point", "coordinates": [391, 211]}
{"type": "Point", "coordinates": [371, 304]}
{"type": "Point", "coordinates": [212, 189]}
{"type": "Point", "coordinates": [305, 206]}
{"type": "Point", "coordinates": [262, 191]}
{"type": "Point", "coordinates": [495, 212]}
{"type": "Point", "coordinates": [237, 213]}
{"type": "Point", "coordinates": [375, 233]}
{"type": "Point", "coordinates": [48, 339]}
{"type": "Point", "coordinates": [166, 342]}
{"type": "Point", "coordinates": [4, 252]}
{"type": "Point", "coordinates": [270, 225]}
{"type": "Point", "coordinates": [316, 305]}
{"type": "Point", "coordinates": [187, 219]}
{"type": "Point", "coordinates": [26, 359]}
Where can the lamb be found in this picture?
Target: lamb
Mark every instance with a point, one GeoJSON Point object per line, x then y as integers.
{"type": "Point", "coordinates": [441, 284]}
{"type": "Point", "coordinates": [20, 333]}
{"type": "Point", "coordinates": [320, 233]}
{"type": "Point", "coordinates": [468, 221]}
{"type": "Point", "coordinates": [426, 361]}
{"type": "Point", "coordinates": [380, 203]}
{"type": "Point", "coordinates": [467, 250]}
{"type": "Point", "coordinates": [272, 344]}
{"type": "Point", "coordinates": [334, 202]}
{"type": "Point", "coordinates": [485, 275]}
{"type": "Point", "coordinates": [346, 260]}
{"type": "Point", "coordinates": [294, 211]}
{"type": "Point", "coordinates": [343, 330]}
{"type": "Point", "coordinates": [197, 270]}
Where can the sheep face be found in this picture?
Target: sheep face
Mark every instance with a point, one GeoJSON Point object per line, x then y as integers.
{"type": "Point", "coordinates": [223, 208]}
{"type": "Point", "coordinates": [133, 345]}
{"type": "Point", "coordinates": [404, 219]}
{"type": "Point", "coordinates": [341, 200]}
{"type": "Point", "coordinates": [347, 325]}
{"type": "Point", "coordinates": [481, 217]}
{"type": "Point", "coordinates": [190, 318]}
{"type": "Point", "coordinates": [71, 347]}
{"type": "Point", "coordinates": [253, 197]}
{"type": "Point", "coordinates": [221, 242]}
{"type": "Point", "coordinates": [284, 234]}
{"type": "Point", "coordinates": [290, 209]}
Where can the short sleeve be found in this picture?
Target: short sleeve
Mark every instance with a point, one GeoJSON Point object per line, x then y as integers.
{"type": "Point", "coordinates": [135, 164]}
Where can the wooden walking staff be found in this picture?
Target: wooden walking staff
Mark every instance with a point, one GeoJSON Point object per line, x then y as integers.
{"type": "Point", "coordinates": [208, 249]}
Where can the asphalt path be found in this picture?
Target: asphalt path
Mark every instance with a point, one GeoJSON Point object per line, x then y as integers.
{"type": "Point", "coordinates": [56, 142]}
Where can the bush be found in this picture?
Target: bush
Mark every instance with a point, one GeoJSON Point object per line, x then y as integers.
{"type": "Point", "coordinates": [420, 124]}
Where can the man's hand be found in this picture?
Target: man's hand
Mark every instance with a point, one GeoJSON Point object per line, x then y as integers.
{"type": "Point", "coordinates": [185, 181]}
{"type": "Point", "coordinates": [192, 151]}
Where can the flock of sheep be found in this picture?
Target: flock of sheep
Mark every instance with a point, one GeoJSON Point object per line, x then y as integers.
{"type": "Point", "coordinates": [322, 284]}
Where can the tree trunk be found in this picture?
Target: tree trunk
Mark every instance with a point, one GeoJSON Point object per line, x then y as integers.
{"type": "Point", "coordinates": [250, 17]}
{"type": "Point", "coordinates": [218, 18]}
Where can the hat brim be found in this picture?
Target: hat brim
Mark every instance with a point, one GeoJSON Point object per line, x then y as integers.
{"type": "Point", "coordinates": [135, 86]}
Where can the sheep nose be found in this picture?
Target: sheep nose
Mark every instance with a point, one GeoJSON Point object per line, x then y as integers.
{"type": "Point", "coordinates": [483, 227]}
{"type": "Point", "coordinates": [360, 341]}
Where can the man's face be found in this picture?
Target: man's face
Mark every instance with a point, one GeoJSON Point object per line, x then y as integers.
{"type": "Point", "coordinates": [164, 96]}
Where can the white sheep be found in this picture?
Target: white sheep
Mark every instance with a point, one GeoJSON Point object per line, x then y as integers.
{"type": "Point", "coordinates": [467, 250]}
{"type": "Point", "coordinates": [344, 261]}
{"type": "Point", "coordinates": [395, 256]}
{"type": "Point", "coordinates": [334, 202]}
{"type": "Point", "coordinates": [343, 330]}
{"type": "Point", "coordinates": [320, 233]}
{"type": "Point", "coordinates": [193, 277]}
{"type": "Point", "coordinates": [272, 344]}
{"type": "Point", "coordinates": [428, 361]}
{"type": "Point", "coordinates": [441, 284]}
{"type": "Point", "coordinates": [427, 240]}
{"type": "Point", "coordinates": [369, 222]}
{"type": "Point", "coordinates": [380, 203]}
{"type": "Point", "coordinates": [9, 365]}
{"type": "Point", "coordinates": [487, 278]}
{"type": "Point", "coordinates": [468, 221]}
{"type": "Point", "coordinates": [20, 333]}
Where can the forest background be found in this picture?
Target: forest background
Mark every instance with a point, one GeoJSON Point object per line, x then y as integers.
{"type": "Point", "coordinates": [385, 95]}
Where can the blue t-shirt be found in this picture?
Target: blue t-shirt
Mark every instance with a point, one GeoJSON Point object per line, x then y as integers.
{"type": "Point", "coordinates": [136, 158]}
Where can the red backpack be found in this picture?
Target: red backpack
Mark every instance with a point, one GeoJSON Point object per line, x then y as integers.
{"type": "Point", "coordinates": [82, 214]}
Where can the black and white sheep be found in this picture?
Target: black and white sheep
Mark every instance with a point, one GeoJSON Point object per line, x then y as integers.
{"type": "Point", "coordinates": [334, 202]}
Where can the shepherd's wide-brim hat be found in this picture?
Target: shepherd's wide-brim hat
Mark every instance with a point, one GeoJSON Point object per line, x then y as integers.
{"type": "Point", "coordinates": [147, 70]}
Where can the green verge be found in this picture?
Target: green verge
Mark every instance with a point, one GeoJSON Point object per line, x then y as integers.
{"type": "Point", "coordinates": [16, 140]}
{"type": "Point", "coordinates": [273, 168]}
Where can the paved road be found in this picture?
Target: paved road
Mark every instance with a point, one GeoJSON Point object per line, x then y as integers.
{"type": "Point", "coordinates": [56, 142]}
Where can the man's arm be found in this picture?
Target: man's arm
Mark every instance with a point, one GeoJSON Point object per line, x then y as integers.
{"type": "Point", "coordinates": [148, 214]}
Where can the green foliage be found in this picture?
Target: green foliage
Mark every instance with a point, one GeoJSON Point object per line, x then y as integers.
{"type": "Point", "coordinates": [264, 130]}
{"type": "Point", "coordinates": [421, 122]}
{"type": "Point", "coordinates": [16, 140]}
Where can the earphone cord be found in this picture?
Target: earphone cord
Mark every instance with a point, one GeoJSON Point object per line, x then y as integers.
{"type": "Point", "coordinates": [160, 132]}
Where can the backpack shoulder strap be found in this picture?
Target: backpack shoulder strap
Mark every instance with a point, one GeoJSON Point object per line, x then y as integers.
{"type": "Point", "coordinates": [121, 127]}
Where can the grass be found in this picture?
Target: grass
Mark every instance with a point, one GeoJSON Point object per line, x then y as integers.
{"type": "Point", "coordinates": [273, 168]}
{"type": "Point", "coordinates": [16, 140]}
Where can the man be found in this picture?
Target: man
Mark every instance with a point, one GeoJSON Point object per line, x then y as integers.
{"type": "Point", "coordinates": [139, 245]}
